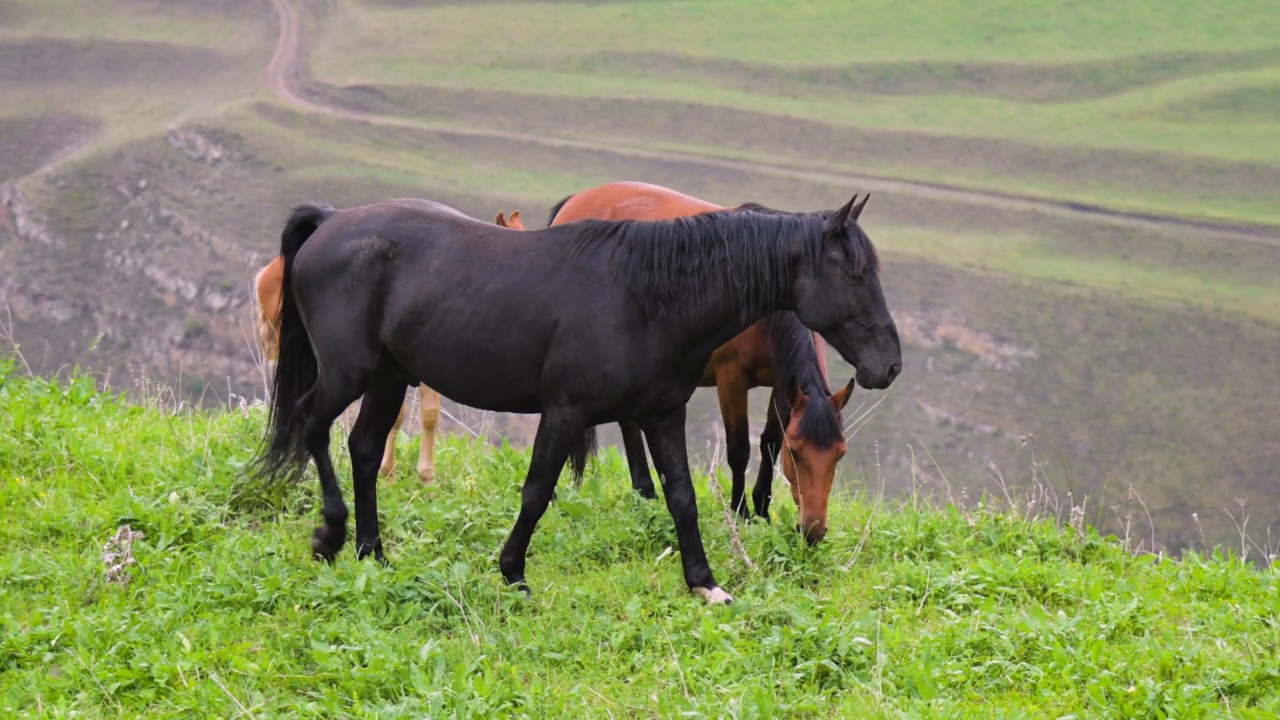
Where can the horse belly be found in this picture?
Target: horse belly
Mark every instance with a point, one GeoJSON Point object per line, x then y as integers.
{"type": "Point", "coordinates": [475, 380]}
{"type": "Point", "coordinates": [479, 369]}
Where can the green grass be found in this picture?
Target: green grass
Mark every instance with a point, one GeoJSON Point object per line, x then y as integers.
{"type": "Point", "coordinates": [826, 31]}
{"type": "Point", "coordinates": [906, 610]}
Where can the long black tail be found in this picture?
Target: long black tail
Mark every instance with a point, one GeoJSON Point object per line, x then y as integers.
{"type": "Point", "coordinates": [581, 452]}
{"type": "Point", "coordinates": [284, 452]}
{"type": "Point", "coordinates": [555, 209]}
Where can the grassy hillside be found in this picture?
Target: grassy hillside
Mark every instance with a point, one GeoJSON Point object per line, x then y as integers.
{"type": "Point", "coordinates": [976, 609]}
{"type": "Point", "coordinates": [1139, 80]}
{"type": "Point", "coordinates": [1075, 206]}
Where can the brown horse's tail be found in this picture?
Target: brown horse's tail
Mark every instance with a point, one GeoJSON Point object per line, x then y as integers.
{"type": "Point", "coordinates": [555, 209]}
{"type": "Point", "coordinates": [582, 450]}
{"type": "Point", "coordinates": [285, 452]}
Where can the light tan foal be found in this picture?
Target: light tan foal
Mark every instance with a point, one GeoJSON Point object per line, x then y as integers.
{"type": "Point", "coordinates": [268, 284]}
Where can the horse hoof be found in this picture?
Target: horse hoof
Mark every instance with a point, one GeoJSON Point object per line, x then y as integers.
{"type": "Point", "coordinates": [714, 595]}
{"type": "Point", "coordinates": [387, 471]}
{"type": "Point", "coordinates": [427, 475]}
{"type": "Point", "coordinates": [327, 542]}
{"type": "Point", "coordinates": [375, 550]}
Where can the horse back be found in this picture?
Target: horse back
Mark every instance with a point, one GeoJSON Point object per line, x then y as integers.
{"type": "Point", "coordinates": [631, 201]}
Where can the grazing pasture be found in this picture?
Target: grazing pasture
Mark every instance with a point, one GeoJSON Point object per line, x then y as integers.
{"type": "Point", "coordinates": [904, 610]}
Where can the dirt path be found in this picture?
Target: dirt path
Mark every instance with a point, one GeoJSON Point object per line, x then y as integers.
{"type": "Point", "coordinates": [282, 76]}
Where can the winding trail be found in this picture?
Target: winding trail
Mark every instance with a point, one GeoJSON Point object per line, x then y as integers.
{"type": "Point", "coordinates": [283, 78]}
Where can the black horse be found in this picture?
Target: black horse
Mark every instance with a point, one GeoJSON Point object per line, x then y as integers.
{"type": "Point", "coordinates": [586, 323]}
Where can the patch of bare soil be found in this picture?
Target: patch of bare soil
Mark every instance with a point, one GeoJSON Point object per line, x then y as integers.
{"type": "Point", "coordinates": [11, 13]}
{"type": "Point", "coordinates": [658, 121]}
{"type": "Point", "coordinates": [27, 143]}
{"type": "Point", "coordinates": [187, 8]}
{"type": "Point", "coordinates": [54, 61]}
{"type": "Point", "coordinates": [1033, 82]}
{"type": "Point", "coordinates": [1173, 401]}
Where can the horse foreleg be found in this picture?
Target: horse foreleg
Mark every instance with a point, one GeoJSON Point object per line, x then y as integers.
{"type": "Point", "coordinates": [558, 432]}
{"type": "Point", "coordinates": [378, 416]}
{"type": "Point", "coordinates": [732, 389]}
{"type": "Point", "coordinates": [770, 446]}
{"type": "Point", "coordinates": [667, 443]}
{"type": "Point", "coordinates": [633, 442]}
{"type": "Point", "coordinates": [429, 412]}
{"type": "Point", "coordinates": [388, 465]}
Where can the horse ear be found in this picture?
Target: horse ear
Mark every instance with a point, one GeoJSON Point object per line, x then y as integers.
{"type": "Point", "coordinates": [500, 221]}
{"type": "Point", "coordinates": [841, 398]}
{"type": "Point", "coordinates": [515, 221]}
{"type": "Point", "coordinates": [840, 219]}
{"type": "Point", "coordinates": [856, 210]}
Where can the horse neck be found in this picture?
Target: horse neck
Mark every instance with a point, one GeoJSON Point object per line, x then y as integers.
{"type": "Point", "coordinates": [747, 265]}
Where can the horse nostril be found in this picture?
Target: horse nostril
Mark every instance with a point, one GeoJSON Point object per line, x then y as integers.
{"type": "Point", "coordinates": [894, 369]}
{"type": "Point", "coordinates": [815, 534]}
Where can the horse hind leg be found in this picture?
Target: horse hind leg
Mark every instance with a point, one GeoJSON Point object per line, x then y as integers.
{"type": "Point", "coordinates": [327, 400]}
{"type": "Point", "coordinates": [380, 411]}
{"type": "Point", "coordinates": [429, 412]}
{"type": "Point", "coordinates": [637, 463]}
{"type": "Point", "coordinates": [558, 431]}
{"type": "Point", "coordinates": [737, 431]}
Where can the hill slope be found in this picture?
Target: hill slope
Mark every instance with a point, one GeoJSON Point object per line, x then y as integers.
{"type": "Point", "coordinates": [905, 610]}
{"type": "Point", "coordinates": [1075, 207]}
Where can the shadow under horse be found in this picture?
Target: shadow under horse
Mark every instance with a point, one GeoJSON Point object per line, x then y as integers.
{"type": "Point", "coordinates": [586, 323]}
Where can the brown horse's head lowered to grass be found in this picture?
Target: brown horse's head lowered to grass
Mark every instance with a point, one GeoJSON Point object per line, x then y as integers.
{"type": "Point", "coordinates": [811, 457]}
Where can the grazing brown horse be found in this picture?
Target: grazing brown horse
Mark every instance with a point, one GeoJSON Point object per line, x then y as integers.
{"type": "Point", "coordinates": [776, 352]}
{"type": "Point", "coordinates": [268, 285]}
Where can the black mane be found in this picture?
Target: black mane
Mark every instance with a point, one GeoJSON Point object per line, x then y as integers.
{"type": "Point", "coordinates": [796, 358]}
{"type": "Point", "coordinates": [555, 209]}
{"type": "Point", "coordinates": [860, 253]}
{"type": "Point", "coordinates": [672, 265]}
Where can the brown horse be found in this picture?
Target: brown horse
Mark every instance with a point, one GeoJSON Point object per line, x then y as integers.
{"type": "Point", "coordinates": [751, 359]}
{"type": "Point", "coordinates": [268, 283]}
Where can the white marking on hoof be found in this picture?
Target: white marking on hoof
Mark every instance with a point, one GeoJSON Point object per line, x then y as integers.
{"type": "Point", "coordinates": [714, 596]}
